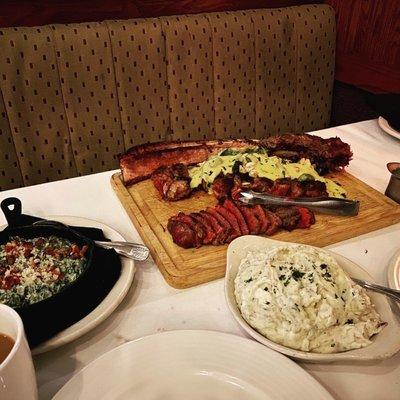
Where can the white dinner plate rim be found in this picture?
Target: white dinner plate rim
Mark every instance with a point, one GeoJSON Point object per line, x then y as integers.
{"type": "Point", "coordinates": [393, 271]}
{"type": "Point", "coordinates": [197, 334]}
{"type": "Point", "coordinates": [112, 300]}
{"type": "Point", "coordinates": [363, 354]}
{"type": "Point", "coordinates": [385, 126]}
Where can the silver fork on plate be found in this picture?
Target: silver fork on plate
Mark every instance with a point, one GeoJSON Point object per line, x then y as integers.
{"type": "Point", "coordinates": [135, 251]}
{"type": "Point", "coordinates": [392, 293]}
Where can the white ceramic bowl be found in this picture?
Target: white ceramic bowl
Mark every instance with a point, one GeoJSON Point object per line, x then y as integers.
{"type": "Point", "coordinates": [384, 345]}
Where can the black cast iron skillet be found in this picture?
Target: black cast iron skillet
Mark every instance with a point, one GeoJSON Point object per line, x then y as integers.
{"type": "Point", "coordinates": [47, 317]}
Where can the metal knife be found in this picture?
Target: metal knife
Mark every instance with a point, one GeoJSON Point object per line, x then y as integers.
{"type": "Point", "coordinates": [324, 205]}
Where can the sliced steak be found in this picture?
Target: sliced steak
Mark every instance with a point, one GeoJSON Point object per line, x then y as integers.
{"type": "Point", "coordinates": [261, 185]}
{"type": "Point", "coordinates": [289, 216]}
{"type": "Point", "coordinates": [221, 234]}
{"type": "Point", "coordinates": [232, 233]}
{"type": "Point", "coordinates": [173, 183]}
{"type": "Point", "coordinates": [237, 187]}
{"type": "Point", "coordinates": [262, 218]}
{"type": "Point", "coordinates": [281, 187]}
{"type": "Point", "coordinates": [182, 234]}
{"type": "Point", "coordinates": [197, 227]}
{"type": "Point", "coordinates": [251, 219]}
{"type": "Point", "coordinates": [307, 217]}
{"type": "Point", "coordinates": [296, 189]}
{"type": "Point", "coordinates": [274, 222]}
{"type": "Point", "coordinates": [315, 189]}
{"type": "Point", "coordinates": [231, 219]}
{"type": "Point", "coordinates": [178, 189]}
{"type": "Point", "coordinates": [209, 235]}
{"type": "Point", "coordinates": [221, 188]}
{"type": "Point", "coordinates": [231, 207]}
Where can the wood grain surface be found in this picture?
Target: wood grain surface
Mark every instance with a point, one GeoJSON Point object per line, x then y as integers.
{"type": "Point", "coordinates": [42, 12]}
{"type": "Point", "coordinates": [183, 268]}
{"type": "Point", "coordinates": [368, 43]}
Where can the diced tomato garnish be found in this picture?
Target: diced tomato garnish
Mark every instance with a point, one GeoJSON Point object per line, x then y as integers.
{"type": "Point", "coordinates": [10, 281]}
{"type": "Point", "coordinates": [39, 242]}
{"type": "Point", "coordinates": [10, 259]}
{"type": "Point", "coordinates": [28, 247]}
{"type": "Point", "coordinates": [84, 250]}
{"type": "Point", "coordinates": [9, 247]}
{"type": "Point", "coordinates": [50, 251]}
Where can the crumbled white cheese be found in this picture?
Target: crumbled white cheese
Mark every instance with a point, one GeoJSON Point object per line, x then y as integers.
{"type": "Point", "coordinates": [301, 298]}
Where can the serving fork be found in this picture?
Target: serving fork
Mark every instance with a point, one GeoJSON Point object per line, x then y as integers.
{"type": "Point", "coordinates": [135, 251]}
{"type": "Point", "coordinates": [392, 293]}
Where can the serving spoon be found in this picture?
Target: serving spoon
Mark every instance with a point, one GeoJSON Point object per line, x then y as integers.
{"type": "Point", "coordinates": [392, 293]}
{"type": "Point", "coordinates": [135, 251]}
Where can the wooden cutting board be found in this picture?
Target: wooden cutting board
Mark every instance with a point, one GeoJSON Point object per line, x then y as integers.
{"type": "Point", "coordinates": [183, 268]}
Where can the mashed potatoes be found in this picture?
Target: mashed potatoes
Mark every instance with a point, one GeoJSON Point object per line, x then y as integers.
{"type": "Point", "coordinates": [299, 297]}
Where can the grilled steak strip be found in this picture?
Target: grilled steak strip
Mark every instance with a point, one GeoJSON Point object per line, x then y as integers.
{"type": "Point", "coordinates": [230, 206]}
{"type": "Point", "coordinates": [221, 234]}
{"type": "Point", "coordinates": [290, 217]}
{"type": "Point", "coordinates": [231, 220]}
{"type": "Point", "coordinates": [251, 220]}
{"type": "Point", "coordinates": [222, 187]}
{"type": "Point", "coordinates": [210, 235]}
{"type": "Point", "coordinates": [262, 218]}
{"type": "Point", "coordinates": [307, 218]}
{"type": "Point", "coordinates": [274, 223]}
{"type": "Point", "coordinates": [231, 233]}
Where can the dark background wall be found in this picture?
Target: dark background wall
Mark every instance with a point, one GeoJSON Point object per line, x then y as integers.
{"type": "Point", "coordinates": [368, 36]}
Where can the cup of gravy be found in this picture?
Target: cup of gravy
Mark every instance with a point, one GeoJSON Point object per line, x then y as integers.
{"type": "Point", "coordinates": [17, 374]}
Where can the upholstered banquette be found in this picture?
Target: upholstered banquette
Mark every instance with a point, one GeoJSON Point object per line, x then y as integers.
{"type": "Point", "coordinates": [74, 96]}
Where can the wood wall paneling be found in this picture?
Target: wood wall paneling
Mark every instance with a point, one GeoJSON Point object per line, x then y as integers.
{"type": "Point", "coordinates": [41, 12]}
{"type": "Point", "coordinates": [368, 43]}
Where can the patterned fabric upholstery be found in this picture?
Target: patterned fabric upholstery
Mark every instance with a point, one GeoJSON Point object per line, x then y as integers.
{"type": "Point", "coordinates": [74, 96]}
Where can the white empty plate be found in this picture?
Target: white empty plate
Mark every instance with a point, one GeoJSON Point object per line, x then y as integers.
{"type": "Point", "coordinates": [384, 125]}
{"type": "Point", "coordinates": [109, 303]}
{"type": "Point", "coordinates": [384, 345]}
{"type": "Point", "coordinates": [393, 274]}
{"type": "Point", "coordinates": [195, 365]}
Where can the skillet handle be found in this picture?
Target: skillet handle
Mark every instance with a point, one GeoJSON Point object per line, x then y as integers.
{"type": "Point", "coordinates": [12, 209]}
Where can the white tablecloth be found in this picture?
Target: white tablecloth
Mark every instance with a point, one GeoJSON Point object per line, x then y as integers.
{"type": "Point", "coordinates": [152, 306]}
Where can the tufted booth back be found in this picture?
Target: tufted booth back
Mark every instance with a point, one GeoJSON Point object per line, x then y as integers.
{"type": "Point", "coordinates": [74, 96]}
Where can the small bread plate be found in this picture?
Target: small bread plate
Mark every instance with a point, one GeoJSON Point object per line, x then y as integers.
{"type": "Point", "coordinates": [393, 272]}
{"type": "Point", "coordinates": [385, 126]}
{"type": "Point", "coordinates": [195, 365]}
{"type": "Point", "coordinates": [110, 302]}
{"type": "Point", "coordinates": [384, 345]}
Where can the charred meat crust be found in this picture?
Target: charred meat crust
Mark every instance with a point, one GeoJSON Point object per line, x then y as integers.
{"type": "Point", "coordinates": [326, 154]}
{"type": "Point", "coordinates": [139, 162]}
